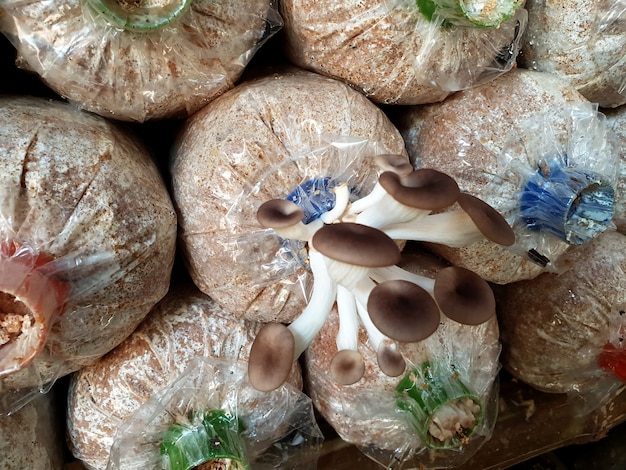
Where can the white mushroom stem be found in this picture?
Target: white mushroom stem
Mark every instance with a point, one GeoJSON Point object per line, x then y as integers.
{"type": "Point", "coordinates": [348, 336]}
{"type": "Point", "coordinates": [361, 293]}
{"type": "Point", "coordinates": [342, 198]}
{"type": "Point", "coordinates": [389, 273]}
{"type": "Point", "coordinates": [345, 274]}
{"type": "Point", "coordinates": [454, 228]}
{"type": "Point", "coordinates": [299, 231]}
{"type": "Point", "coordinates": [306, 327]}
{"type": "Point", "coordinates": [387, 211]}
{"type": "Point", "coordinates": [375, 195]}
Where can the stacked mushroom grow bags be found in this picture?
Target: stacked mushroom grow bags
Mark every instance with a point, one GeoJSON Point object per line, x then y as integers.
{"type": "Point", "coordinates": [87, 241]}
{"type": "Point", "coordinates": [275, 139]}
{"type": "Point", "coordinates": [292, 205]}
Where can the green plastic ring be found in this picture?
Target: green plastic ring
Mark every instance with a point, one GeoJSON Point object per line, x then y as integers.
{"type": "Point", "coordinates": [207, 436]}
{"type": "Point", "coordinates": [141, 18]}
{"type": "Point", "coordinates": [424, 391]}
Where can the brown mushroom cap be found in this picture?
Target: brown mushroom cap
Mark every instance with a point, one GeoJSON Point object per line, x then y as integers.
{"type": "Point", "coordinates": [279, 213]}
{"type": "Point", "coordinates": [423, 189]}
{"type": "Point", "coordinates": [347, 367]}
{"type": "Point", "coordinates": [271, 357]}
{"type": "Point", "coordinates": [390, 361]}
{"type": "Point", "coordinates": [356, 244]}
{"type": "Point", "coordinates": [488, 220]}
{"type": "Point", "coordinates": [395, 163]}
{"type": "Point", "coordinates": [464, 296]}
{"type": "Point", "coordinates": [403, 311]}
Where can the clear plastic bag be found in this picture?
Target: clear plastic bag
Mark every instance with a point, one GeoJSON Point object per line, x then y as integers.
{"type": "Point", "coordinates": [402, 421]}
{"type": "Point", "coordinates": [402, 51]}
{"type": "Point", "coordinates": [275, 430]}
{"type": "Point", "coordinates": [561, 180]}
{"type": "Point", "coordinates": [564, 333]}
{"type": "Point", "coordinates": [616, 123]}
{"type": "Point", "coordinates": [253, 144]}
{"type": "Point", "coordinates": [136, 62]}
{"type": "Point", "coordinates": [582, 41]}
{"type": "Point", "coordinates": [87, 240]}
{"type": "Point", "coordinates": [549, 166]}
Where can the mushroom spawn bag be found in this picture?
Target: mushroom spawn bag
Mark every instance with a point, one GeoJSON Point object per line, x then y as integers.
{"type": "Point", "coordinates": [530, 160]}
{"type": "Point", "coordinates": [564, 333]}
{"type": "Point", "coordinates": [400, 421]}
{"type": "Point", "coordinates": [87, 239]}
{"type": "Point", "coordinates": [289, 133]}
{"type": "Point", "coordinates": [397, 52]}
{"type": "Point", "coordinates": [212, 412]}
{"type": "Point", "coordinates": [583, 41]}
{"type": "Point", "coordinates": [133, 62]}
{"type": "Point", "coordinates": [184, 326]}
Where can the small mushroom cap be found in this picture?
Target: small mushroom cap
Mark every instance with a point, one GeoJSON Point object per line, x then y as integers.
{"type": "Point", "coordinates": [464, 296]}
{"type": "Point", "coordinates": [398, 164]}
{"type": "Point", "coordinates": [425, 188]}
{"type": "Point", "coordinates": [390, 361]}
{"type": "Point", "coordinates": [271, 357]}
{"type": "Point", "coordinates": [347, 367]}
{"type": "Point", "coordinates": [279, 213]}
{"type": "Point", "coordinates": [488, 220]}
{"type": "Point", "coordinates": [356, 244]}
{"type": "Point", "coordinates": [403, 311]}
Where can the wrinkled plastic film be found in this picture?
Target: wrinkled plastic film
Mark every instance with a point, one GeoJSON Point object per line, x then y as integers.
{"type": "Point", "coordinates": [310, 176]}
{"type": "Point", "coordinates": [557, 183]}
{"type": "Point", "coordinates": [265, 430]}
{"type": "Point", "coordinates": [582, 42]}
{"type": "Point", "coordinates": [459, 70]}
{"type": "Point", "coordinates": [469, 13]}
{"type": "Point", "coordinates": [395, 53]}
{"type": "Point", "coordinates": [392, 428]}
{"type": "Point", "coordinates": [136, 63]}
{"type": "Point", "coordinates": [64, 297]}
{"type": "Point", "coordinates": [577, 319]}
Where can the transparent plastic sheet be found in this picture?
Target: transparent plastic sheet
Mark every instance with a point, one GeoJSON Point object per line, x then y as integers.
{"type": "Point", "coordinates": [89, 52]}
{"type": "Point", "coordinates": [395, 55]}
{"type": "Point", "coordinates": [251, 145]}
{"type": "Point", "coordinates": [389, 426]}
{"type": "Point", "coordinates": [340, 160]}
{"type": "Point", "coordinates": [276, 430]}
{"type": "Point", "coordinates": [616, 123]}
{"type": "Point", "coordinates": [583, 41]}
{"type": "Point", "coordinates": [556, 183]}
{"type": "Point", "coordinates": [82, 259]}
{"type": "Point", "coordinates": [577, 319]}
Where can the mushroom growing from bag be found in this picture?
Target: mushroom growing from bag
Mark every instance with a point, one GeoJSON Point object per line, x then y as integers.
{"type": "Point", "coordinates": [87, 239]}
{"type": "Point", "coordinates": [582, 41]}
{"type": "Point", "coordinates": [402, 417]}
{"type": "Point", "coordinates": [281, 135]}
{"type": "Point", "coordinates": [564, 333]}
{"type": "Point", "coordinates": [354, 265]}
{"type": "Point", "coordinates": [136, 61]}
{"type": "Point", "coordinates": [532, 147]}
{"type": "Point", "coordinates": [405, 52]}
{"type": "Point", "coordinates": [186, 325]}
{"type": "Point", "coordinates": [251, 227]}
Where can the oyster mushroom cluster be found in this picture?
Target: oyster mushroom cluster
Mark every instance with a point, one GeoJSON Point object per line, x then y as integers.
{"type": "Point", "coordinates": [353, 251]}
